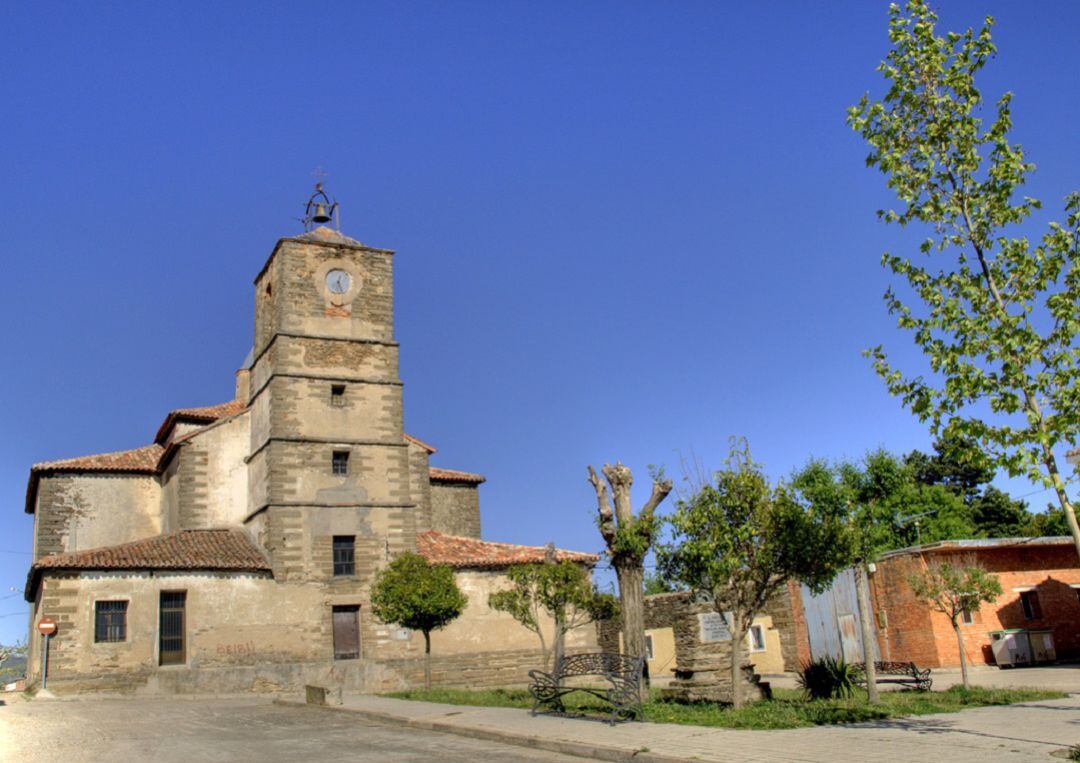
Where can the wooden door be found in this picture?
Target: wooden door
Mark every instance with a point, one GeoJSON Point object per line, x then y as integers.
{"type": "Point", "coordinates": [346, 633]}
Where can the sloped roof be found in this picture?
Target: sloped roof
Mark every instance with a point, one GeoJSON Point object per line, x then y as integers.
{"type": "Point", "coordinates": [219, 549]}
{"type": "Point", "coordinates": [421, 443]}
{"type": "Point", "coordinates": [460, 552]}
{"type": "Point", "coordinates": [203, 415]}
{"type": "Point", "coordinates": [436, 474]}
{"type": "Point", "coordinates": [974, 544]}
{"type": "Point", "coordinates": [142, 459]}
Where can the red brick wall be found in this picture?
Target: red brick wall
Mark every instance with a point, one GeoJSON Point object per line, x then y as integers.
{"type": "Point", "coordinates": [914, 632]}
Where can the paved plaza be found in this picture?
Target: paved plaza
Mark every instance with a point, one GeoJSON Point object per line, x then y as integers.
{"type": "Point", "coordinates": [190, 731]}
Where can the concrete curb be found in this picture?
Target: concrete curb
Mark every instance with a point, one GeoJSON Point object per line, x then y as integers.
{"type": "Point", "coordinates": [565, 747]}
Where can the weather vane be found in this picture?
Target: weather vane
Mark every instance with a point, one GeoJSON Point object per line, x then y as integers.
{"type": "Point", "coordinates": [320, 208]}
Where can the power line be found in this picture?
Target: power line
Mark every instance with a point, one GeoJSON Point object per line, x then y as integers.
{"type": "Point", "coordinates": [12, 614]}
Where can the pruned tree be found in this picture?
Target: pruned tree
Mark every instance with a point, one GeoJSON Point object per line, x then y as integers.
{"type": "Point", "coordinates": [417, 595]}
{"type": "Point", "coordinates": [628, 539]}
{"type": "Point", "coordinates": [739, 539]}
{"type": "Point", "coordinates": [995, 316]}
{"type": "Point", "coordinates": [560, 590]}
{"type": "Point", "coordinates": [953, 589]}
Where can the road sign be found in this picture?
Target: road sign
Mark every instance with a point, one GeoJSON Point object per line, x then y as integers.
{"type": "Point", "coordinates": [46, 626]}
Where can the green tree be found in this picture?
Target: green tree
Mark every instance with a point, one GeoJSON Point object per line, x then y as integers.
{"type": "Point", "coordinates": [656, 583]}
{"type": "Point", "coordinates": [738, 539]}
{"type": "Point", "coordinates": [882, 506]}
{"type": "Point", "coordinates": [958, 463]}
{"type": "Point", "coordinates": [419, 596]}
{"type": "Point", "coordinates": [562, 591]}
{"type": "Point", "coordinates": [996, 515]}
{"type": "Point", "coordinates": [998, 316]}
{"type": "Point", "coordinates": [953, 590]}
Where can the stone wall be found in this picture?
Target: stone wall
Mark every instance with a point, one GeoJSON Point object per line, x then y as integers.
{"type": "Point", "coordinates": [246, 632]}
{"type": "Point", "coordinates": [455, 509]}
{"type": "Point", "coordinates": [80, 511]}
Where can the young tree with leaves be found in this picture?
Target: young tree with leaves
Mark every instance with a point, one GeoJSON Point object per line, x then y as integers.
{"type": "Point", "coordinates": [998, 317]}
{"type": "Point", "coordinates": [738, 539]}
{"type": "Point", "coordinates": [562, 591]}
{"type": "Point", "coordinates": [628, 540]}
{"type": "Point", "coordinates": [954, 589]}
{"type": "Point", "coordinates": [419, 596]}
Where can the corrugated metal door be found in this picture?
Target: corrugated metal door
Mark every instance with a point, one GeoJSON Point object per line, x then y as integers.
{"type": "Point", "coordinates": [171, 627]}
{"type": "Point", "coordinates": [832, 620]}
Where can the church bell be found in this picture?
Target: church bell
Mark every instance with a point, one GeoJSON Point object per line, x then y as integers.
{"type": "Point", "coordinates": [320, 214]}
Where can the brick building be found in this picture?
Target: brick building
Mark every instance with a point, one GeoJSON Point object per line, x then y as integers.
{"type": "Point", "coordinates": [236, 551]}
{"type": "Point", "coordinates": [1040, 579]}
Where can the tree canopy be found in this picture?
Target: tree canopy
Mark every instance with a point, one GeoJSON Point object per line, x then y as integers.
{"type": "Point", "coordinates": [995, 316]}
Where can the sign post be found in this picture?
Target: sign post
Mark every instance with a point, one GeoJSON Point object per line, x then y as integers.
{"type": "Point", "coordinates": [46, 627]}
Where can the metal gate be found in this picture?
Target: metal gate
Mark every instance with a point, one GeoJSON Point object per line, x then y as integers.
{"type": "Point", "coordinates": [171, 627]}
{"type": "Point", "coordinates": [832, 620]}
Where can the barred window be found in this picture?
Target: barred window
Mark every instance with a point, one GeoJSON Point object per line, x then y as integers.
{"type": "Point", "coordinates": [337, 395]}
{"type": "Point", "coordinates": [344, 555]}
{"type": "Point", "coordinates": [340, 462]}
{"type": "Point", "coordinates": [110, 621]}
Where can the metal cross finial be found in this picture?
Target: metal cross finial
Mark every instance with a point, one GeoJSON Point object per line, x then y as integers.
{"type": "Point", "coordinates": [319, 173]}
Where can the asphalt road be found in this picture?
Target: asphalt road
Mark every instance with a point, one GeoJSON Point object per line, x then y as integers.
{"type": "Point", "coordinates": [189, 730]}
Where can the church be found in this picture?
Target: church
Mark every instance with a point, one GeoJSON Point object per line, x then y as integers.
{"type": "Point", "coordinates": [236, 551]}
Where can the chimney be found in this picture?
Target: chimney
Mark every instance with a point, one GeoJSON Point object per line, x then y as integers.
{"type": "Point", "coordinates": [243, 385]}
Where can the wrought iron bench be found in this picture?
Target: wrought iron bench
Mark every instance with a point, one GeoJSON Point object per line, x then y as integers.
{"type": "Point", "coordinates": [904, 673]}
{"type": "Point", "coordinates": [622, 674]}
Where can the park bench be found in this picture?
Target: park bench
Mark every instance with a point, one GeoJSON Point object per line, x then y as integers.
{"type": "Point", "coordinates": [621, 673]}
{"type": "Point", "coordinates": [904, 673]}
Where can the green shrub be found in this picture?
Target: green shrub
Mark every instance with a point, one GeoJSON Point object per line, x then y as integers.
{"type": "Point", "coordinates": [1074, 752]}
{"type": "Point", "coordinates": [828, 678]}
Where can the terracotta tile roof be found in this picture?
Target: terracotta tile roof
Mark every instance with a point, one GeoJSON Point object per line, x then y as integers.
{"type": "Point", "coordinates": [456, 551]}
{"type": "Point", "coordinates": [421, 443]}
{"type": "Point", "coordinates": [220, 549]}
{"type": "Point", "coordinates": [204, 415]}
{"type": "Point", "coordinates": [451, 475]}
{"type": "Point", "coordinates": [142, 459]}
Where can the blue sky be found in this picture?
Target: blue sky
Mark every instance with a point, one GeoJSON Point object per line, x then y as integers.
{"type": "Point", "coordinates": [625, 230]}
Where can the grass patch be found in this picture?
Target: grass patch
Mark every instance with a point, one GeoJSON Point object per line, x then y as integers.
{"type": "Point", "coordinates": [787, 710]}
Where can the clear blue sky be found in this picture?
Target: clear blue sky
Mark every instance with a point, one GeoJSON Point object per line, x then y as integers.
{"type": "Point", "coordinates": [624, 229]}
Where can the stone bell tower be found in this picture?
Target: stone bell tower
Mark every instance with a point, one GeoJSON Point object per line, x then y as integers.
{"type": "Point", "coordinates": [327, 456]}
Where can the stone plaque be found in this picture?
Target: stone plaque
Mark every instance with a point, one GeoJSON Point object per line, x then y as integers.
{"type": "Point", "coordinates": [711, 627]}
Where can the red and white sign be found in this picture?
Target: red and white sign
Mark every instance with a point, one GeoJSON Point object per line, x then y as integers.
{"type": "Point", "coordinates": [46, 626]}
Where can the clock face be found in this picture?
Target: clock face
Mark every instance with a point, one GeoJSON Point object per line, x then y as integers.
{"type": "Point", "coordinates": [338, 281]}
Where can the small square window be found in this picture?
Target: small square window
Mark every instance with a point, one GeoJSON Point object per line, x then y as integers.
{"type": "Point", "coordinates": [648, 646]}
{"type": "Point", "coordinates": [757, 638]}
{"type": "Point", "coordinates": [1029, 603]}
{"type": "Point", "coordinates": [340, 462]}
{"type": "Point", "coordinates": [337, 395]}
{"type": "Point", "coordinates": [110, 621]}
{"type": "Point", "coordinates": [344, 555]}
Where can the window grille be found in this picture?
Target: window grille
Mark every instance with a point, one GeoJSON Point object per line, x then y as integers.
{"type": "Point", "coordinates": [110, 621]}
{"type": "Point", "coordinates": [344, 555]}
{"type": "Point", "coordinates": [337, 395]}
{"type": "Point", "coordinates": [340, 462]}
{"type": "Point", "coordinates": [171, 627]}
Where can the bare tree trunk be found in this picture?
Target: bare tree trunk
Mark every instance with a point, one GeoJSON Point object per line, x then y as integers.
{"type": "Point", "coordinates": [629, 567]}
{"type": "Point", "coordinates": [963, 656]}
{"type": "Point", "coordinates": [1063, 497]}
{"type": "Point", "coordinates": [427, 659]}
{"type": "Point", "coordinates": [559, 647]}
{"type": "Point", "coordinates": [632, 604]}
{"type": "Point", "coordinates": [866, 616]}
{"type": "Point", "coordinates": [737, 636]}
